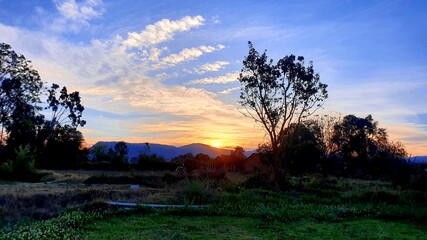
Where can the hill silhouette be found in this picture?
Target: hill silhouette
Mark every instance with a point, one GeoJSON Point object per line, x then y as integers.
{"type": "Point", "coordinates": [168, 152]}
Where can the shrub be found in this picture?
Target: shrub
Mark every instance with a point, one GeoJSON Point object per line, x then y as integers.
{"type": "Point", "coordinates": [63, 227]}
{"type": "Point", "coordinates": [260, 180]}
{"type": "Point", "coordinates": [22, 168]}
{"type": "Point", "coordinates": [195, 192]}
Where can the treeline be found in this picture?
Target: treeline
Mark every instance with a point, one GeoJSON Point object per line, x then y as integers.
{"type": "Point", "coordinates": [116, 158]}
{"type": "Point", "coordinates": [38, 123]}
{"type": "Point", "coordinates": [348, 146]}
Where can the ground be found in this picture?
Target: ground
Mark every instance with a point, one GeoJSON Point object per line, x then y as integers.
{"type": "Point", "coordinates": [72, 203]}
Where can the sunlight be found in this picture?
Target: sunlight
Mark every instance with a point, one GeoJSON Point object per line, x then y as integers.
{"type": "Point", "coordinates": [217, 143]}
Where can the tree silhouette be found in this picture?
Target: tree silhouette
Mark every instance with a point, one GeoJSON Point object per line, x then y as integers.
{"type": "Point", "coordinates": [20, 88]}
{"type": "Point", "coordinates": [364, 147]}
{"type": "Point", "coordinates": [277, 95]}
{"type": "Point", "coordinates": [66, 108]}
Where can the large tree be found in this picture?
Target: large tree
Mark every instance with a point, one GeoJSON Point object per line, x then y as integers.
{"type": "Point", "coordinates": [364, 147]}
{"type": "Point", "coordinates": [20, 88]}
{"type": "Point", "coordinates": [278, 94]}
{"type": "Point", "coordinates": [21, 121]}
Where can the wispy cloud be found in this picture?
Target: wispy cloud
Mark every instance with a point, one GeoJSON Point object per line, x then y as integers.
{"type": "Point", "coordinates": [161, 31]}
{"type": "Point", "coordinates": [211, 67]}
{"type": "Point", "coordinates": [187, 54]}
{"type": "Point", "coordinates": [229, 90]}
{"type": "Point", "coordinates": [229, 77]}
{"type": "Point", "coordinates": [118, 83]}
{"type": "Point", "coordinates": [76, 15]}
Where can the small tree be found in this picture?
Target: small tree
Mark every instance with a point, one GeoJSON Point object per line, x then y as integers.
{"type": "Point", "coordinates": [277, 95]}
{"type": "Point", "coordinates": [66, 108]}
{"type": "Point", "coordinates": [238, 157]}
{"type": "Point", "coordinates": [121, 149]}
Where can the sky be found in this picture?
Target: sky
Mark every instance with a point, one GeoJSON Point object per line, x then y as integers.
{"type": "Point", "coordinates": [166, 71]}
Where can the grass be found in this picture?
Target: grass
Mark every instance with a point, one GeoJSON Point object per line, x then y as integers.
{"type": "Point", "coordinates": [185, 224]}
{"type": "Point", "coordinates": [158, 226]}
{"type": "Point", "coordinates": [311, 207]}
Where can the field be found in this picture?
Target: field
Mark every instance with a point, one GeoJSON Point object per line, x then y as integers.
{"type": "Point", "coordinates": [72, 205]}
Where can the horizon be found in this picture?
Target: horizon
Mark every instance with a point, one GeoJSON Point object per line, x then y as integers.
{"type": "Point", "coordinates": [178, 146]}
{"type": "Point", "coordinates": [167, 72]}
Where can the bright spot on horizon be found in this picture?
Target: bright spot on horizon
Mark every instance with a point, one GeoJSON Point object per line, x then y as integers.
{"type": "Point", "coordinates": [217, 143]}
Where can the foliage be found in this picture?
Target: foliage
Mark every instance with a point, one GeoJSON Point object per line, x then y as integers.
{"type": "Point", "coordinates": [63, 150]}
{"type": "Point", "coordinates": [66, 108]}
{"type": "Point", "coordinates": [303, 148]}
{"type": "Point", "coordinates": [364, 148]}
{"type": "Point", "coordinates": [150, 162]}
{"type": "Point", "coordinates": [20, 86]}
{"type": "Point", "coordinates": [63, 227]}
{"type": "Point", "coordinates": [22, 167]}
{"type": "Point", "coordinates": [277, 95]}
{"type": "Point", "coordinates": [121, 149]}
{"type": "Point", "coordinates": [195, 192]}
{"type": "Point", "coordinates": [21, 122]}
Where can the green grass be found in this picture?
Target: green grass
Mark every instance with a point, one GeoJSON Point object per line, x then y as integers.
{"type": "Point", "coordinates": [158, 226]}
{"type": "Point", "coordinates": [311, 208]}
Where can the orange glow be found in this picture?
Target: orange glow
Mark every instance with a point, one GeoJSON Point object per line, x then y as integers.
{"type": "Point", "coordinates": [217, 143]}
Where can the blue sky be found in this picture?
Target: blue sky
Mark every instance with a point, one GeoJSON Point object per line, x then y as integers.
{"type": "Point", "coordinates": [165, 71]}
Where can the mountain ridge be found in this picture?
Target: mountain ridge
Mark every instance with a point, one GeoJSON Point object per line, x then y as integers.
{"type": "Point", "coordinates": [168, 152]}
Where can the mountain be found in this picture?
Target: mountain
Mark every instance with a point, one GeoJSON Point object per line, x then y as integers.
{"type": "Point", "coordinates": [168, 152]}
{"type": "Point", "coordinates": [418, 159]}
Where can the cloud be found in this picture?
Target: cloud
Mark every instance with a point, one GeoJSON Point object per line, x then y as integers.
{"type": "Point", "coordinates": [116, 82]}
{"type": "Point", "coordinates": [76, 15]}
{"type": "Point", "coordinates": [229, 77]}
{"type": "Point", "coordinates": [161, 31]}
{"type": "Point", "coordinates": [211, 67]}
{"type": "Point", "coordinates": [229, 90]}
{"type": "Point", "coordinates": [187, 54]}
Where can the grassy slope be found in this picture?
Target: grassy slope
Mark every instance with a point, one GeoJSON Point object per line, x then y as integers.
{"type": "Point", "coordinates": [154, 226]}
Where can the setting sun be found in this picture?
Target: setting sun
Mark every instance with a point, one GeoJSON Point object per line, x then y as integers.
{"type": "Point", "coordinates": [216, 144]}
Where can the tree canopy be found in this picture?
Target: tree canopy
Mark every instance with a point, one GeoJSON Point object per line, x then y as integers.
{"type": "Point", "coordinates": [20, 88]}
{"type": "Point", "coordinates": [55, 142]}
{"type": "Point", "coordinates": [278, 94]}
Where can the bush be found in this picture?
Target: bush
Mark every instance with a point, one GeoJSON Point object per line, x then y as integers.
{"type": "Point", "coordinates": [195, 192]}
{"type": "Point", "coordinates": [22, 168]}
{"type": "Point", "coordinates": [261, 180]}
{"type": "Point", "coordinates": [63, 227]}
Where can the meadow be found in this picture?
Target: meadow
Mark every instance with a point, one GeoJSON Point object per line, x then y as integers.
{"type": "Point", "coordinates": [73, 205]}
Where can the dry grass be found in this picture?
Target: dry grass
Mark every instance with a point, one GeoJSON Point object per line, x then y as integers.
{"type": "Point", "coordinates": [64, 189]}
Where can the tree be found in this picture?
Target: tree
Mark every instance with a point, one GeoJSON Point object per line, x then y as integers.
{"type": "Point", "coordinates": [121, 149]}
{"type": "Point", "coordinates": [67, 113]}
{"type": "Point", "coordinates": [66, 108]}
{"type": "Point", "coordinates": [99, 152]}
{"type": "Point", "coordinates": [277, 95]}
{"type": "Point", "coordinates": [20, 118]}
{"type": "Point", "coordinates": [20, 88]}
{"type": "Point", "coordinates": [63, 149]}
{"type": "Point", "coordinates": [364, 147]}
{"type": "Point", "coordinates": [304, 147]}
{"type": "Point", "coordinates": [237, 156]}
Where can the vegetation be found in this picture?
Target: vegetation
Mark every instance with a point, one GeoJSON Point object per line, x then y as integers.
{"type": "Point", "coordinates": [278, 95]}
{"type": "Point", "coordinates": [28, 140]}
{"type": "Point", "coordinates": [316, 177]}
{"type": "Point", "coordinates": [313, 206]}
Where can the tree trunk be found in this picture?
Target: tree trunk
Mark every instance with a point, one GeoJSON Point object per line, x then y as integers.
{"type": "Point", "coordinates": [277, 169]}
{"type": "Point", "coordinates": [1, 136]}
